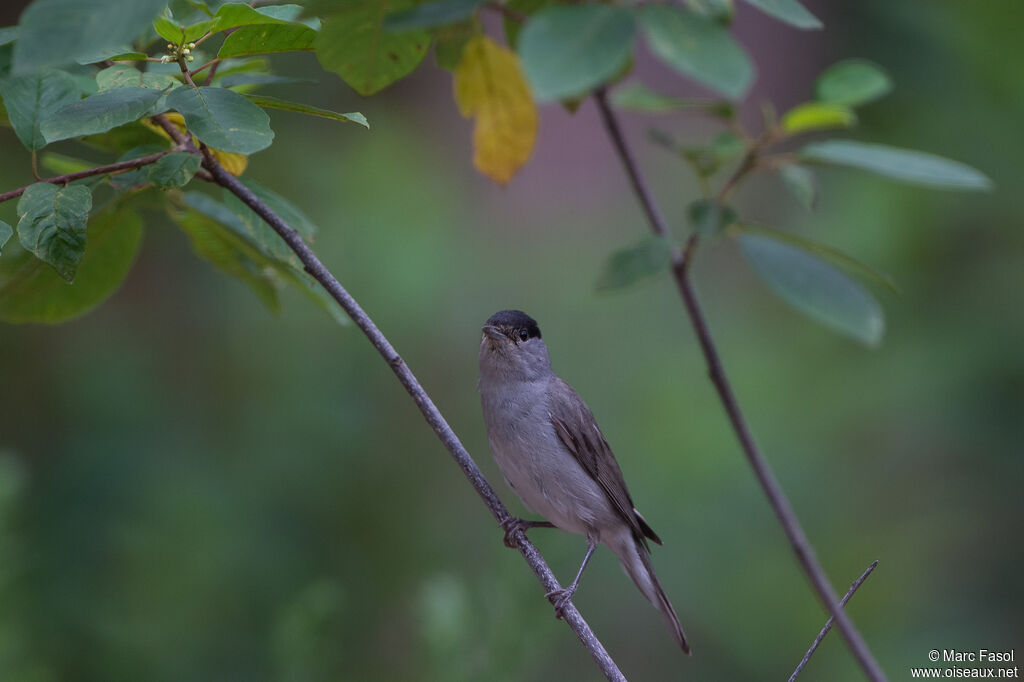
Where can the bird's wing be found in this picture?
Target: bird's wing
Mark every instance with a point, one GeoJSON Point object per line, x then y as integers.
{"type": "Point", "coordinates": [578, 429]}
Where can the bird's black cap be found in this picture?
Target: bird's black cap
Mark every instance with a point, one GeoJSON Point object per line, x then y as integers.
{"type": "Point", "coordinates": [515, 319]}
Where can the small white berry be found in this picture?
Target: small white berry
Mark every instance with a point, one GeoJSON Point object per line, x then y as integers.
{"type": "Point", "coordinates": [186, 51]}
{"type": "Point", "coordinates": [164, 59]}
{"type": "Point", "coordinates": [191, 44]}
{"type": "Point", "coordinates": [191, 58]}
{"type": "Point", "coordinates": [170, 46]}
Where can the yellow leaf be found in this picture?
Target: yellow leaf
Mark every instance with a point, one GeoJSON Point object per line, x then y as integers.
{"type": "Point", "coordinates": [817, 116]}
{"type": "Point", "coordinates": [233, 163]}
{"type": "Point", "coordinates": [490, 86]}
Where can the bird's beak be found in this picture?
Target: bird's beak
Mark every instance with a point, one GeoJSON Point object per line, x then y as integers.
{"type": "Point", "coordinates": [492, 332]}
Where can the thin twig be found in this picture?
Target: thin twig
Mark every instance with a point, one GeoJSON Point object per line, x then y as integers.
{"type": "Point", "coordinates": [110, 169]}
{"type": "Point", "coordinates": [776, 497]}
{"type": "Point", "coordinates": [828, 626]}
{"type": "Point", "coordinates": [213, 71]}
{"type": "Point", "coordinates": [212, 62]}
{"type": "Point", "coordinates": [752, 161]}
{"type": "Point", "coordinates": [412, 386]}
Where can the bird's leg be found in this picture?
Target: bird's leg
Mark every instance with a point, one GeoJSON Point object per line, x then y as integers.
{"type": "Point", "coordinates": [512, 524]}
{"type": "Point", "coordinates": [562, 596]}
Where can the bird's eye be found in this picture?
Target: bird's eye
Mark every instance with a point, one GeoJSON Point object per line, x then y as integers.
{"type": "Point", "coordinates": [524, 334]}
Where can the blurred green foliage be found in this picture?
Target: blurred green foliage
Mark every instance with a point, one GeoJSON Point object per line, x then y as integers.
{"type": "Point", "coordinates": [192, 488]}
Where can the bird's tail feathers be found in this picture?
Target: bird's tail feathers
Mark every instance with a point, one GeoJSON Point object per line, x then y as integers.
{"type": "Point", "coordinates": [637, 564]}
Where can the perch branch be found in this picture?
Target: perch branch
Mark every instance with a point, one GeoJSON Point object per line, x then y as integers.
{"type": "Point", "coordinates": [405, 376]}
{"type": "Point", "coordinates": [109, 169]}
{"type": "Point", "coordinates": [828, 626]}
{"type": "Point", "coordinates": [777, 498]}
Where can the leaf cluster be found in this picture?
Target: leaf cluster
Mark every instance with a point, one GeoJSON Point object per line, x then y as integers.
{"type": "Point", "coordinates": [817, 280]}
{"type": "Point", "coordinates": [564, 51]}
{"type": "Point", "coordinates": [192, 72]}
{"type": "Point", "coordinates": [122, 76]}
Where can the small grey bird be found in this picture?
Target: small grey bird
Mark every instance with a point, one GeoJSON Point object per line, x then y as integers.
{"type": "Point", "coordinates": [552, 453]}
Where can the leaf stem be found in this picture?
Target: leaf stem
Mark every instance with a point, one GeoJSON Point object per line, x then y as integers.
{"type": "Point", "coordinates": [776, 496]}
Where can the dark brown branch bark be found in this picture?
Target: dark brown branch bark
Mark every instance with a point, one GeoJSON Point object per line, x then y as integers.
{"type": "Point", "coordinates": [119, 167]}
{"type": "Point", "coordinates": [828, 626]}
{"type": "Point", "coordinates": [776, 497]}
{"type": "Point", "coordinates": [405, 376]}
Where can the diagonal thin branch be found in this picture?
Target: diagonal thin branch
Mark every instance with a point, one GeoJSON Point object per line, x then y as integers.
{"type": "Point", "coordinates": [828, 626]}
{"type": "Point", "coordinates": [110, 168]}
{"type": "Point", "coordinates": [405, 376]}
{"type": "Point", "coordinates": [777, 498]}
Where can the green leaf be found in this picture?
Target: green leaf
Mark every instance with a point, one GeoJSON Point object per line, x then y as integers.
{"type": "Point", "coordinates": [801, 182]}
{"type": "Point", "coordinates": [431, 14]}
{"type": "Point", "coordinates": [124, 138]}
{"type": "Point", "coordinates": [231, 254]}
{"type": "Point", "coordinates": [815, 288]}
{"type": "Point", "coordinates": [291, 13]}
{"type": "Point", "coordinates": [55, 32]}
{"type": "Point", "coordinates": [124, 76]}
{"type": "Point", "coordinates": [789, 11]}
{"type": "Point", "coordinates": [726, 145]}
{"type": "Point", "coordinates": [354, 45]}
{"type": "Point", "coordinates": [853, 82]}
{"type": "Point", "coordinates": [137, 176]}
{"type": "Point", "coordinates": [8, 34]}
{"type": "Point", "coordinates": [449, 41]}
{"type": "Point", "coordinates": [5, 60]}
{"type": "Point", "coordinates": [201, 6]}
{"type": "Point", "coordinates": [812, 116]}
{"type": "Point", "coordinates": [260, 30]}
{"type": "Point", "coordinates": [100, 112]}
{"type": "Point", "coordinates": [5, 233]}
{"type": "Point", "coordinates": [52, 223]}
{"type": "Point", "coordinates": [918, 168]}
{"type": "Point", "coordinates": [223, 119]}
{"type": "Point", "coordinates": [285, 209]}
{"type": "Point", "coordinates": [630, 265]}
{"type": "Point", "coordinates": [263, 234]}
{"type": "Point", "coordinates": [244, 65]}
{"type": "Point", "coordinates": [635, 96]}
{"type": "Point", "coordinates": [836, 257]}
{"type": "Point", "coordinates": [274, 103]}
{"type": "Point", "coordinates": [30, 291]}
{"type": "Point", "coordinates": [235, 14]}
{"type": "Point", "coordinates": [287, 264]}
{"type": "Point", "coordinates": [34, 98]}
{"type": "Point", "coordinates": [173, 170]}
{"type": "Point", "coordinates": [709, 217]}
{"type": "Point", "coordinates": [177, 34]}
{"type": "Point", "coordinates": [94, 57]}
{"type": "Point", "coordinates": [513, 27]}
{"type": "Point", "coordinates": [721, 11]}
{"type": "Point", "coordinates": [267, 38]}
{"type": "Point", "coordinates": [568, 50]}
{"type": "Point", "coordinates": [257, 79]}
{"type": "Point", "coordinates": [129, 57]}
{"type": "Point", "coordinates": [699, 48]}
